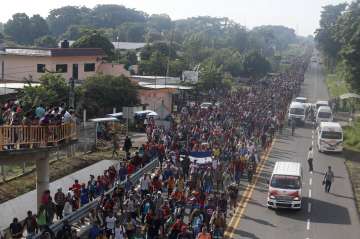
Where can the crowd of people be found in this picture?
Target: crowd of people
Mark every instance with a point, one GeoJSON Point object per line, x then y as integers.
{"type": "Point", "coordinates": [183, 198]}
{"type": "Point", "coordinates": [12, 113]}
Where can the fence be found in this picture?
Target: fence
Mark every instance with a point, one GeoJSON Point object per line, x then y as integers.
{"type": "Point", "coordinates": [21, 136]}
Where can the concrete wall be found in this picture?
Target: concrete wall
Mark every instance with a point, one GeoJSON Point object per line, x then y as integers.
{"type": "Point", "coordinates": [18, 67]}
{"type": "Point", "coordinates": [158, 99]}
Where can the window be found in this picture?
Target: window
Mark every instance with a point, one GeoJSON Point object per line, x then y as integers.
{"type": "Point", "coordinates": [324, 115]}
{"type": "Point", "coordinates": [40, 68]}
{"type": "Point", "coordinates": [89, 67]}
{"type": "Point", "coordinates": [61, 68]}
{"type": "Point", "coordinates": [297, 111]}
{"type": "Point", "coordinates": [331, 135]}
{"type": "Point", "coordinates": [285, 182]}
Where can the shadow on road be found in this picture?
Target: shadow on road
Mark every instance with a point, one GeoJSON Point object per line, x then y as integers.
{"type": "Point", "coordinates": [260, 221]}
{"type": "Point", "coordinates": [243, 234]}
{"type": "Point", "coordinates": [322, 212]}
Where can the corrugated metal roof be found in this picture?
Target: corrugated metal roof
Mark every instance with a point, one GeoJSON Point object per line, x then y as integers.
{"type": "Point", "coordinates": [120, 45]}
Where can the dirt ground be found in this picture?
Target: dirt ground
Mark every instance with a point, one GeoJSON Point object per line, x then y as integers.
{"type": "Point", "coordinates": [58, 169]}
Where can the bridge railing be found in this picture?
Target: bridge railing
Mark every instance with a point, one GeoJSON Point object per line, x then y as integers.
{"type": "Point", "coordinates": [22, 136]}
{"type": "Point", "coordinates": [84, 211]}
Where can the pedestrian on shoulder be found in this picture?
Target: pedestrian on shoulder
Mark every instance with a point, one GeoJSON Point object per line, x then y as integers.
{"type": "Point", "coordinates": [328, 179]}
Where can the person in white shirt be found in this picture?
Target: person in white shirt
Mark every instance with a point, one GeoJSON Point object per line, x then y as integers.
{"type": "Point", "coordinates": [310, 158]}
{"type": "Point", "coordinates": [145, 182]}
{"type": "Point", "coordinates": [110, 225]}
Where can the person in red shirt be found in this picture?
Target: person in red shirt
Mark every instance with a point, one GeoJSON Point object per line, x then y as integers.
{"type": "Point", "coordinates": [130, 168]}
{"type": "Point", "coordinates": [76, 188]}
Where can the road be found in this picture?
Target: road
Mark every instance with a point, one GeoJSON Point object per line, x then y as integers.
{"type": "Point", "coordinates": [323, 215]}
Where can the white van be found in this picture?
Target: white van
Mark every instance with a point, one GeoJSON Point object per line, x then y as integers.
{"type": "Point", "coordinates": [321, 103]}
{"type": "Point", "coordinates": [301, 99]}
{"type": "Point", "coordinates": [297, 112]}
{"type": "Point", "coordinates": [330, 137]}
{"type": "Point", "coordinates": [285, 186]}
{"type": "Point", "coordinates": [324, 114]}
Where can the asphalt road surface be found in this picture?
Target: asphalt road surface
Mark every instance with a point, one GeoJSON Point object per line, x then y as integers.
{"type": "Point", "coordinates": [323, 215]}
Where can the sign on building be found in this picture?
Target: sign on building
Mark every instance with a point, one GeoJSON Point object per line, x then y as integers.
{"type": "Point", "coordinates": [190, 76]}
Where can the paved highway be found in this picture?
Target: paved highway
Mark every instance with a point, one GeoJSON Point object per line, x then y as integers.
{"type": "Point", "coordinates": [323, 216]}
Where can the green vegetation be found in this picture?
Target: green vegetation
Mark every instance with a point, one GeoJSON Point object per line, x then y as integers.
{"type": "Point", "coordinates": [339, 40]}
{"type": "Point", "coordinates": [94, 39]}
{"type": "Point", "coordinates": [336, 82]}
{"type": "Point", "coordinates": [100, 93]}
{"type": "Point", "coordinates": [352, 136]}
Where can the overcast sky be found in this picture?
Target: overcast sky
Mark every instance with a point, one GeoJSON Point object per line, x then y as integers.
{"type": "Point", "coordinates": [301, 15]}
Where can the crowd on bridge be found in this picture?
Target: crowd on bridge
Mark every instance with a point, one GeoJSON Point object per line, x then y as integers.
{"type": "Point", "coordinates": [186, 196]}
{"type": "Point", "coordinates": [12, 113]}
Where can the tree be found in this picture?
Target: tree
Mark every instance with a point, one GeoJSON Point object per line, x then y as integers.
{"type": "Point", "coordinates": [52, 91]}
{"type": "Point", "coordinates": [255, 65]}
{"type": "Point", "coordinates": [74, 32]}
{"type": "Point", "coordinates": [111, 16]}
{"type": "Point", "coordinates": [60, 19]}
{"type": "Point", "coordinates": [210, 77]}
{"type": "Point", "coordinates": [156, 65]}
{"type": "Point", "coordinates": [325, 35]}
{"type": "Point", "coordinates": [19, 28]}
{"type": "Point", "coordinates": [94, 39]}
{"type": "Point", "coordinates": [101, 93]}
{"type": "Point", "coordinates": [46, 41]}
{"type": "Point", "coordinates": [159, 22]}
{"type": "Point", "coordinates": [39, 27]}
{"type": "Point", "coordinates": [131, 32]}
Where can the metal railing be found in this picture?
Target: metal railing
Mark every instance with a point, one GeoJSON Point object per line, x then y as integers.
{"type": "Point", "coordinates": [22, 136]}
{"type": "Point", "coordinates": [85, 210]}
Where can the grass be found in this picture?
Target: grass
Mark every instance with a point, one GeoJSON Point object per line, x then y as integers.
{"type": "Point", "coordinates": [352, 136]}
{"type": "Point", "coordinates": [336, 84]}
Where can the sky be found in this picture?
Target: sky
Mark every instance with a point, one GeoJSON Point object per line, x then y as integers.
{"type": "Point", "coordinates": [301, 15]}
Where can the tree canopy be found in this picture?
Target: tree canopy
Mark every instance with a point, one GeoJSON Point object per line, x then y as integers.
{"type": "Point", "coordinates": [52, 91]}
{"type": "Point", "coordinates": [100, 93]}
{"type": "Point", "coordinates": [339, 39]}
{"type": "Point", "coordinates": [94, 39]}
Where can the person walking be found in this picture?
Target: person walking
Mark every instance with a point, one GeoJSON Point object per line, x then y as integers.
{"type": "Point", "coordinates": [328, 179]}
{"type": "Point", "coordinates": [60, 199]}
{"type": "Point", "coordinates": [115, 146]}
{"type": "Point", "coordinates": [127, 145]}
{"type": "Point", "coordinates": [310, 158]}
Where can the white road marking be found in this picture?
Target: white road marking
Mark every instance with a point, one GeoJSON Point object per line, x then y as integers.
{"type": "Point", "coordinates": [310, 181]}
{"type": "Point", "coordinates": [309, 207]}
{"type": "Point", "coordinates": [312, 136]}
{"type": "Point", "coordinates": [309, 193]}
{"type": "Point", "coordinates": [311, 172]}
{"type": "Point", "coordinates": [308, 224]}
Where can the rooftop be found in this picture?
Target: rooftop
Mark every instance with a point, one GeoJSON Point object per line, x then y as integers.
{"type": "Point", "coordinates": [55, 52]}
{"type": "Point", "coordinates": [122, 45]}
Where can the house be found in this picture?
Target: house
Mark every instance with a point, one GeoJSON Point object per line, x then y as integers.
{"type": "Point", "coordinates": [29, 64]}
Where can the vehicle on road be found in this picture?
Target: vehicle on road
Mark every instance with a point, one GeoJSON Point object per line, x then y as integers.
{"type": "Point", "coordinates": [321, 103]}
{"type": "Point", "coordinates": [206, 105]}
{"type": "Point", "coordinates": [330, 137]}
{"type": "Point", "coordinates": [297, 112]}
{"type": "Point", "coordinates": [301, 99]}
{"type": "Point", "coordinates": [285, 186]}
{"type": "Point", "coordinates": [324, 114]}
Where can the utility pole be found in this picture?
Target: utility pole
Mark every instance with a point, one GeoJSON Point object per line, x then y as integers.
{"type": "Point", "coordinates": [3, 74]}
{"type": "Point", "coordinates": [72, 93]}
{"type": "Point", "coordinates": [169, 55]}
